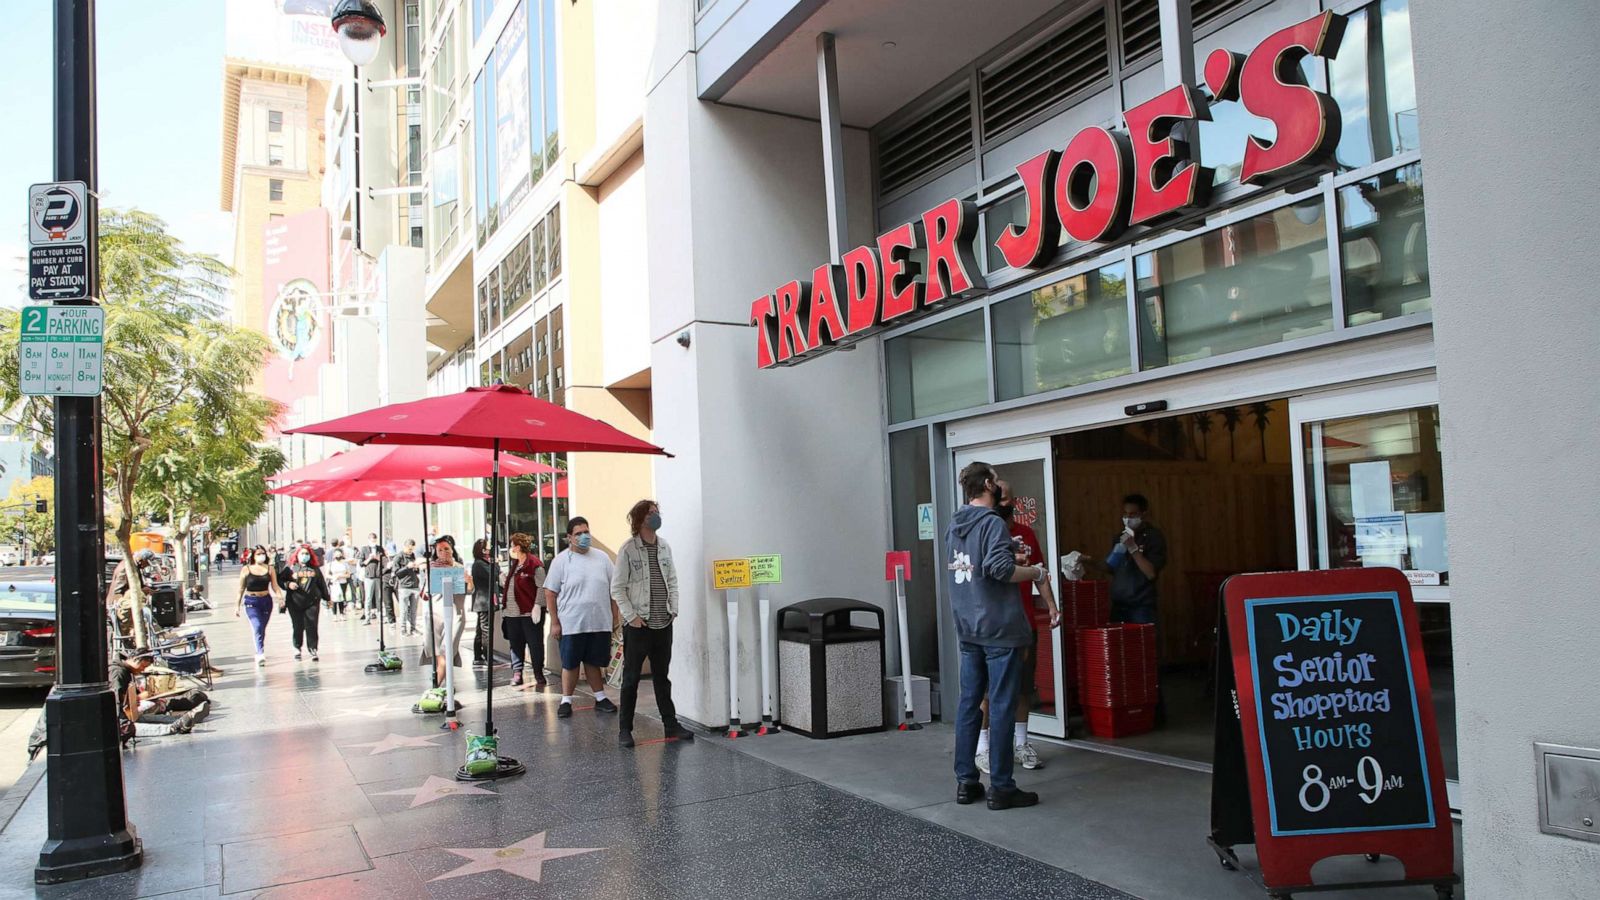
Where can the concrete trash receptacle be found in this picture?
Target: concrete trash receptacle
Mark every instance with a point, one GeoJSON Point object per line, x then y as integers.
{"type": "Point", "coordinates": [830, 667]}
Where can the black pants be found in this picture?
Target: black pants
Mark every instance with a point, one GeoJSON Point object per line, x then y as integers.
{"type": "Point", "coordinates": [524, 634]}
{"type": "Point", "coordinates": [480, 638]}
{"type": "Point", "coordinates": [341, 596]}
{"type": "Point", "coordinates": [305, 624]}
{"type": "Point", "coordinates": [654, 644]}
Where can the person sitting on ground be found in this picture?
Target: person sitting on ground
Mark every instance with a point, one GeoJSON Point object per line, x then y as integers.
{"type": "Point", "coordinates": [148, 713]}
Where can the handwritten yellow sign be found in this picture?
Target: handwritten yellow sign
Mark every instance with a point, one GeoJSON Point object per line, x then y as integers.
{"type": "Point", "coordinates": [727, 574]}
{"type": "Point", "coordinates": [766, 569]}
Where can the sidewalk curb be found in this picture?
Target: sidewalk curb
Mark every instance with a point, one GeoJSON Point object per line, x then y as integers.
{"type": "Point", "coordinates": [18, 793]}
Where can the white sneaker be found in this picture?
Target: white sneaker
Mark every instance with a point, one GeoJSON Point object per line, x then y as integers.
{"type": "Point", "coordinates": [982, 759]}
{"type": "Point", "coordinates": [313, 656]}
{"type": "Point", "coordinates": [261, 659]}
{"type": "Point", "coordinates": [297, 654]}
{"type": "Point", "coordinates": [1028, 756]}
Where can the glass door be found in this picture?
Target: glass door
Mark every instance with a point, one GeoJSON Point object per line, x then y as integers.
{"type": "Point", "coordinates": [1370, 487]}
{"type": "Point", "coordinates": [1027, 467]}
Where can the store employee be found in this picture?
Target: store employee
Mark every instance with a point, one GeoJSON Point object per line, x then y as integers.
{"type": "Point", "coordinates": [1137, 556]}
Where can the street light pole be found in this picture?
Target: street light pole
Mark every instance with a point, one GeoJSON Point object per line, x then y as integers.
{"type": "Point", "coordinates": [89, 833]}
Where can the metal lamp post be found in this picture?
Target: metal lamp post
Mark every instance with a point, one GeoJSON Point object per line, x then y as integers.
{"type": "Point", "coordinates": [89, 832]}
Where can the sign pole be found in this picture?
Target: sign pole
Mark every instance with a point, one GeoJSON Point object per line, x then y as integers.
{"type": "Point", "coordinates": [910, 721]}
{"type": "Point", "coordinates": [734, 729]}
{"type": "Point", "coordinates": [89, 833]}
{"type": "Point", "coordinates": [767, 724]}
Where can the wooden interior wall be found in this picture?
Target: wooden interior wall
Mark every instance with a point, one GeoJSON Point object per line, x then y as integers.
{"type": "Point", "coordinates": [1219, 516]}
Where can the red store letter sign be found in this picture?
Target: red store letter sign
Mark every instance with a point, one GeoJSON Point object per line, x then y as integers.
{"type": "Point", "coordinates": [1272, 87]}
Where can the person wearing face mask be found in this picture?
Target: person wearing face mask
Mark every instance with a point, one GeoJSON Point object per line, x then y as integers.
{"type": "Point", "coordinates": [582, 615]}
{"type": "Point", "coordinates": [450, 615]}
{"type": "Point", "coordinates": [645, 587]}
{"type": "Point", "coordinates": [258, 581]}
{"type": "Point", "coordinates": [304, 592]}
{"type": "Point", "coordinates": [1137, 556]}
{"type": "Point", "coordinates": [993, 633]}
{"type": "Point", "coordinates": [1028, 552]}
{"type": "Point", "coordinates": [522, 623]}
{"type": "Point", "coordinates": [408, 568]}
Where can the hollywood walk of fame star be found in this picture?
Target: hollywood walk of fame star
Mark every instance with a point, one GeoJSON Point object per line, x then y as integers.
{"type": "Point", "coordinates": [398, 742]}
{"type": "Point", "coordinates": [436, 788]}
{"type": "Point", "coordinates": [524, 859]}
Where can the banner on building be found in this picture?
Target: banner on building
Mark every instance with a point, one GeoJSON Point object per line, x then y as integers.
{"type": "Point", "coordinates": [294, 282]}
{"type": "Point", "coordinates": [293, 33]}
{"type": "Point", "coordinates": [513, 119]}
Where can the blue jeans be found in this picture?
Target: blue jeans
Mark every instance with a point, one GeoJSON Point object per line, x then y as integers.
{"type": "Point", "coordinates": [995, 672]}
{"type": "Point", "coordinates": [259, 611]}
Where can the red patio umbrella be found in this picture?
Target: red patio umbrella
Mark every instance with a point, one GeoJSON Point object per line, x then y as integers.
{"type": "Point", "coordinates": [497, 417]}
{"type": "Point", "coordinates": [558, 488]}
{"type": "Point", "coordinates": [381, 492]}
{"type": "Point", "coordinates": [406, 462]}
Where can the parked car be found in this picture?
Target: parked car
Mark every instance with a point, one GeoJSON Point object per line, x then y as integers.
{"type": "Point", "coordinates": [10, 558]}
{"type": "Point", "coordinates": [49, 559]}
{"type": "Point", "coordinates": [27, 634]}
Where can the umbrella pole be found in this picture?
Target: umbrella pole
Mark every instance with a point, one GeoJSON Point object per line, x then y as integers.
{"type": "Point", "coordinates": [494, 578]}
{"type": "Point", "coordinates": [381, 647]}
{"type": "Point", "coordinates": [427, 561]}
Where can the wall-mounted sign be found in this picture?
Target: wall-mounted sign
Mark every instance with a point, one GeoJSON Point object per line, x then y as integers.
{"type": "Point", "coordinates": [1096, 188]}
{"type": "Point", "coordinates": [925, 526]}
{"type": "Point", "coordinates": [729, 574]}
{"type": "Point", "coordinates": [1326, 740]}
{"type": "Point", "coordinates": [766, 569]}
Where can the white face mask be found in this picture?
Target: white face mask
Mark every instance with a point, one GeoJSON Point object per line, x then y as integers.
{"type": "Point", "coordinates": [1132, 522]}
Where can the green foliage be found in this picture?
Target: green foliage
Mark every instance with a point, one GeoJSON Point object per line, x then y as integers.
{"type": "Point", "coordinates": [36, 529]}
{"type": "Point", "coordinates": [179, 422]}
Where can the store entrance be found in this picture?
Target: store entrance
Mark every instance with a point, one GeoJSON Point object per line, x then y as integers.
{"type": "Point", "coordinates": [1220, 487]}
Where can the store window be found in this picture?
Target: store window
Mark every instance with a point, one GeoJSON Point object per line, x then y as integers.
{"type": "Point", "coordinates": [1373, 82]}
{"type": "Point", "coordinates": [1377, 493]}
{"type": "Point", "coordinates": [1254, 283]}
{"type": "Point", "coordinates": [1071, 332]}
{"type": "Point", "coordinates": [1375, 497]}
{"type": "Point", "coordinates": [937, 369]}
{"type": "Point", "coordinates": [1383, 240]}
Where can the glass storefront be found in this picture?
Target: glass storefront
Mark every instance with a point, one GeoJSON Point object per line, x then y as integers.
{"type": "Point", "coordinates": [938, 369]}
{"type": "Point", "coordinates": [1070, 332]}
{"type": "Point", "coordinates": [1260, 281]}
{"type": "Point", "coordinates": [1383, 244]}
{"type": "Point", "coordinates": [911, 492]}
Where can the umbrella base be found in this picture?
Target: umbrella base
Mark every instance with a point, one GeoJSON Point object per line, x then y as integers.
{"type": "Point", "coordinates": [380, 669]}
{"type": "Point", "coordinates": [507, 768]}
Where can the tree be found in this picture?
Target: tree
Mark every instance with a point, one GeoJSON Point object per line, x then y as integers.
{"type": "Point", "coordinates": [29, 527]}
{"type": "Point", "coordinates": [201, 473]}
{"type": "Point", "coordinates": [169, 363]}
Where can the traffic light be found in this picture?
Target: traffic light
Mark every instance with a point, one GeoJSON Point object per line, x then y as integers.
{"type": "Point", "coordinates": [41, 506]}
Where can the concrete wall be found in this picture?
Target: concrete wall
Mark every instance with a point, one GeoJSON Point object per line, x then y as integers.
{"type": "Point", "coordinates": [1509, 118]}
{"type": "Point", "coordinates": [787, 462]}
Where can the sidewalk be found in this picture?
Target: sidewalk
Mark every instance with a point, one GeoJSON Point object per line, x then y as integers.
{"type": "Point", "coordinates": [316, 780]}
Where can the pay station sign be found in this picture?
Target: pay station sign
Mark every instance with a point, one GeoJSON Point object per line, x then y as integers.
{"type": "Point", "coordinates": [61, 350]}
{"type": "Point", "coordinates": [58, 241]}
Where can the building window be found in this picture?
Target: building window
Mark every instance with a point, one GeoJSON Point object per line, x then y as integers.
{"type": "Point", "coordinates": [274, 121]}
{"type": "Point", "coordinates": [541, 261]}
{"type": "Point", "coordinates": [938, 369]}
{"type": "Point", "coordinates": [274, 188]}
{"type": "Point", "coordinates": [516, 121]}
{"type": "Point", "coordinates": [416, 235]}
{"type": "Point", "coordinates": [1383, 241]}
{"type": "Point", "coordinates": [273, 217]}
{"type": "Point", "coordinates": [413, 28]}
{"type": "Point", "coordinates": [1373, 83]}
{"type": "Point", "coordinates": [1071, 332]}
{"type": "Point", "coordinates": [552, 230]}
{"type": "Point", "coordinates": [414, 154]}
{"type": "Point", "coordinates": [274, 154]}
{"type": "Point", "coordinates": [1250, 284]}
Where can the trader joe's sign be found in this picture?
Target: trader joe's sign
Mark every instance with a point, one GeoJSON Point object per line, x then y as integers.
{"type": "Point", "coordinates": [1094, 189]}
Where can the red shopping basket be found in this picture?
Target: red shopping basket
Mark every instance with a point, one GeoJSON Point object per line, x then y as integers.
{"type": "Point", "coordinates": [1085, 604]}
{"type": "Point", "coordinates": [1117, 666]}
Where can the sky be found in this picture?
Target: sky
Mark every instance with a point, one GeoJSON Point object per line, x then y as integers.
{"type": "Point", "coordinates": [160, 129]}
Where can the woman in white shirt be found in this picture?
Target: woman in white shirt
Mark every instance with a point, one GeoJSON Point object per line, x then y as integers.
{"type": "Point", "coordinates": [338, 573]}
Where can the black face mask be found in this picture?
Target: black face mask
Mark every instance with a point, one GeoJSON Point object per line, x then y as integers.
{"type": "Point", "coordinates": [1006, 510]}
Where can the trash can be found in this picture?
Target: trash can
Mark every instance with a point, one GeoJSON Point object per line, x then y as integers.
{"type": "Point", "coordinates": [830, 667]}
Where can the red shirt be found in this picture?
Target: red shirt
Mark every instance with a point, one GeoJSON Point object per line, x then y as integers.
{"type": "Point", "coordinates": [1035, 557]}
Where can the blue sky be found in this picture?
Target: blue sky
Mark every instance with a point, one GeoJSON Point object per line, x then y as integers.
{"type": "Point", "coordinates": [160, 91]}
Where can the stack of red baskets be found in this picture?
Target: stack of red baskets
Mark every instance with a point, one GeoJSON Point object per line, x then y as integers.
{"type": "Point", "coordinates": [1117, 679]}
{"type": "Point", "coordinates": [1084, 604]}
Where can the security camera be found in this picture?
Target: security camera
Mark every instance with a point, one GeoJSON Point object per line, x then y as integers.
{"type": "Point", "coordinates": [683, 339]}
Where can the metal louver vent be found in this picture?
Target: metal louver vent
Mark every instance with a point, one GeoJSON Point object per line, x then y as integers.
{"type": "Point", "coordinates": [1141, 22]}
{"type": "Point", "coordinates": [1051, 70]}
{"type": "Point", "coordinates": [939, 136]}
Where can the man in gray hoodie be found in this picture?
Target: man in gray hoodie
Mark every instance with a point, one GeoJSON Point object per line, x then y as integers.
{"type": "Point", "coordinates": [993, 632]}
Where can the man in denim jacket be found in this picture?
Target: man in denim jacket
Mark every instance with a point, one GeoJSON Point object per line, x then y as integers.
{"type": "Point", "coordinates": [645, 588]}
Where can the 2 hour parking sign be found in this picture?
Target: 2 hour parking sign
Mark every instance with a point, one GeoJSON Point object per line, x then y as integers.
{"type": "Point", "coordinates": [58, 241]}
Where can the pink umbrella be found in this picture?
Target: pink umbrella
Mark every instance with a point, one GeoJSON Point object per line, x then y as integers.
{"type": "Point", "coordinates": [556, 489]}
{"type": "Point", "coordinates": [498, 417]}
{"type": "Point", "coordinates": [392, 462]}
